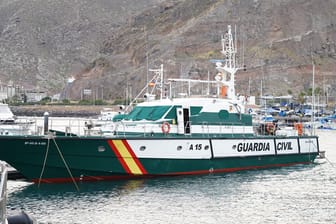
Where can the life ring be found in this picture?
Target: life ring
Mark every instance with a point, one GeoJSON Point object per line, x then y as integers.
{"type": "Point", "coordinates": [165, 127]}
{"type": "Point", "coordinates": [270, 128]}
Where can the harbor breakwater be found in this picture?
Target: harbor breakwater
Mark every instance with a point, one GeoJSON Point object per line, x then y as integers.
{"type": "Point", "coordinates": [58, 110]}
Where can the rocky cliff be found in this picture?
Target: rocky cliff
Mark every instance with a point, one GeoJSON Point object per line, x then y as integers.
{"type": "Point", "coordinates": [106, 44]}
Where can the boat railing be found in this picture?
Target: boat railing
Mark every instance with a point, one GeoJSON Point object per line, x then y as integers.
{"type": "Point", "coordinates": [205, 128]}
{"type": "Point", "coordinates": [222, 128]}
{"type": "Point", "coordinates": [80, 127]}
{"type": "Point", "coordinates": [3, 193]}
{"type": "Point", "coordinates": [123, 125]}
{"type": "Point", "coordinates": [68, 125]}
{"type": "Point", "coordinates": [120, 130]}
{"type": "Point", "coordinates": [11, 129]}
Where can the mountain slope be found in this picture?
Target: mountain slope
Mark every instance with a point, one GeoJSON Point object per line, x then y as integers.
{"type": "Point", "coordinates": [105, 45]}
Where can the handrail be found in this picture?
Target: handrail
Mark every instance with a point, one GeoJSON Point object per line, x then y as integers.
{"type": "Point", "coordinates": [77, 126]}
{"type": "Point", "coordinates": [205, 125]}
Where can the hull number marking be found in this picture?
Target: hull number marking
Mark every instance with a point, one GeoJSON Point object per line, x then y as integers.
{"type": "Point", "coordinates": [198, 147]}
{"type": "Point", "coordinates": [34, 143]}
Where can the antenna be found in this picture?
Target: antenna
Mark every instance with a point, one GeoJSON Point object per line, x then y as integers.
{"type": "Point", "coordinates": [228, 70]}
{"type": "Point", "coordinates": [147, 67]}
{"type": "Point", "coordinates": [159, 79]}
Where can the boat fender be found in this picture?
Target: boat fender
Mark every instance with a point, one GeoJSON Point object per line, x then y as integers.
{"type": "Point", "coordinates": [299, 128]}
{"type": "Point", "coordinates": [21, 218]}
{"type": "Point", "coordinates": [270, 128]}
{"type": "Point", "coordinates": [165, 127]}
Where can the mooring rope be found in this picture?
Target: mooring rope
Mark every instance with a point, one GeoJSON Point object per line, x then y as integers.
{"type": "Point", "coordinates": [44, 162]}
{"type": "Point", "coordinates": [66, 165]}
{"type": "Point", "coordinates": [62, 157]}
{"type": "Point", "coordinates": [329, 162]}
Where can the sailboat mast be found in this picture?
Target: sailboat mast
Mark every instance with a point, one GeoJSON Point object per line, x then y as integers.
{"type": "Point", "coordinates": [313, 98]}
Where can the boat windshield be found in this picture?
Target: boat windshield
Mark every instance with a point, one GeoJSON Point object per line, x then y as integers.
{"type": "Point", "coordinates": [151, 113]}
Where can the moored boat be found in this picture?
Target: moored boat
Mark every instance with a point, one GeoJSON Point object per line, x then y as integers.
{"type": "Point", "coordinates": [176, 134]}
{"type": "Point", "coordinates": [327, 122]}
{"type": "Point", "coordinates": [10, 125]}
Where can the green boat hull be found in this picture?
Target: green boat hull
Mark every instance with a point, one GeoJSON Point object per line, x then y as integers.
{"type": "Point", "coordinates": [59, 159]}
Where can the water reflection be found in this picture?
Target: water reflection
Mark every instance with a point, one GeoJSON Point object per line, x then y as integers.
{"type": "Point", "coordinates": [113, 189]}
{"type": "Point", "coordinates": [191, 199]}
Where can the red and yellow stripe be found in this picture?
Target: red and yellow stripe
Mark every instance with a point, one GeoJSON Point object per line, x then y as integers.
{"type": "Point", "coordinates": [126, 157]}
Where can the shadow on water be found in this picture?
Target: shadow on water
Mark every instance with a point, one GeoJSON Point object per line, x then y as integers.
{"type": "Point", "coordinates": [114, 189]}
{"type": "Point", "coordinates": [118, 188]}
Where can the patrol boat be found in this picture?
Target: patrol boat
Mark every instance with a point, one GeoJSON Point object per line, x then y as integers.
{"type": "Point", "coordinates": [176, 134]}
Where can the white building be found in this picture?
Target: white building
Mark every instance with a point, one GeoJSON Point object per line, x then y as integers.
{"type": "Point", "coordinates": [7, 91]}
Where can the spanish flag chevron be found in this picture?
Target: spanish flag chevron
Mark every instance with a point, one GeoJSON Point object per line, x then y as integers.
{"type": "Point", "coordinates": [126, 157]}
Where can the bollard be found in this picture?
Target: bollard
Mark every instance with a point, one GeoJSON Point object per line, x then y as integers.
{"type": "Point", "coordinates": [46, 121]}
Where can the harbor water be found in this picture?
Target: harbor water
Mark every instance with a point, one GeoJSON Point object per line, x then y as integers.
{"type": "Point", "coordinates": [297, 194]}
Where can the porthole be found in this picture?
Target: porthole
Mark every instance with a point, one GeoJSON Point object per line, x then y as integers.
{"type": "Point", "coordinates": [101, 149]}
